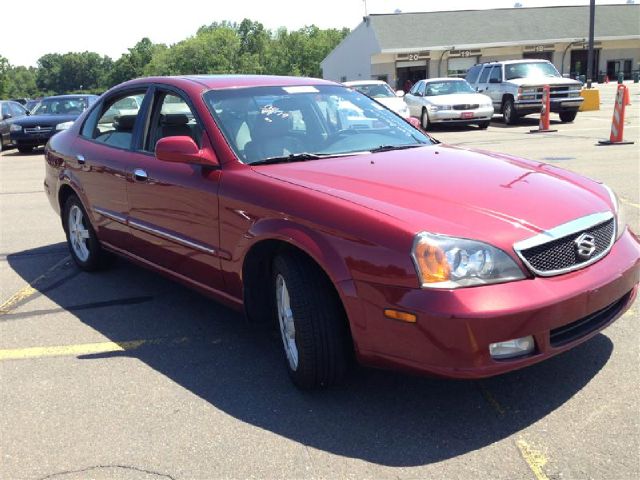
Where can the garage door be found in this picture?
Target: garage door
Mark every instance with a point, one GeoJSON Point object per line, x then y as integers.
{"type": "Point", "coordinates": [458, 66]}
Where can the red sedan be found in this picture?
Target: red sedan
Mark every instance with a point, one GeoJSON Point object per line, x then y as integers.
{"type": "Point", "coordinates": [310, 205]}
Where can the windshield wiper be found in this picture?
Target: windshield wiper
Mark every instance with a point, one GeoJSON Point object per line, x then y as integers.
{"type": "Point", "coordinates": [386, 148]}
{"type": "Point", "coordinates": [293, 157]}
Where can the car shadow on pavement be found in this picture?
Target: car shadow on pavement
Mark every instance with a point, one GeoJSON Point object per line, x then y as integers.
{"type": "Point", "coordinates": [16, 153]}
{"type": "Point", "coordinates": [387, 418]}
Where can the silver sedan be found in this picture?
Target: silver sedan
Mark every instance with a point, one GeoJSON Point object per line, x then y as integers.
{"type": "Point", "coordinates": [448, 101]}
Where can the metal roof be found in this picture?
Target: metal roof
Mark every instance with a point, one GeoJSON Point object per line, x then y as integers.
{"type": "Point", "coordinates": [471, 28]}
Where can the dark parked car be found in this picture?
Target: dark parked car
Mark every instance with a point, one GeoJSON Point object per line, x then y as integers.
{"type": "Point", "coordinates": [10, 111]}
{"type": "Point", "coordinates": [51, 115]}
{"type": "Point", "coordinates": [367, 237]}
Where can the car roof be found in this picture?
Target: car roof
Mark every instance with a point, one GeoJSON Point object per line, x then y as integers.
{"type": "Point", "coordinates": [443, 79]}
{"type": "Point", "coordinates": [78, 95]}
{"type": "Point", "coordinates": [211, 82]}
{"type": "Point", "coordinates": [523, 60]}
{"type": "Point", "coordinates": [356, 83]}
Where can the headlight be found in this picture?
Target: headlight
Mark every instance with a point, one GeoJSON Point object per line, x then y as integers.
{"type": "Point", "coordinates": [437, 108]}
{"type": "Point", "coordinates": [15, 128]}
{"type": "Point", "coordinates": [618, 210]}
{"type": "Point", "coordinates": [63, 126]}
{"type": "Point", "coordinates": [487, 105]}
{"type": "Point", "coordinates": [448, 262]}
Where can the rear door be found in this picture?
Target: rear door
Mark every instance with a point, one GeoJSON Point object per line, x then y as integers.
{"type": "Point", "coordinates": [173, 207]}
{"type": "Point", "coordinates": [494, 86]}
{"type": "Point", "coordinates": [103, 158]}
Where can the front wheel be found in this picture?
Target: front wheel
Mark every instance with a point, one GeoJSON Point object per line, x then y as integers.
{"type": "Point", "coordinates": [83, 243]}
{"type": "Point", "coordinates": [25, 149]}
{"type": "Point", "coordinates": [312, 323]}
{"type": "Point", "coordinates": [568, 116]}
{"type": "Point", "coordinates": [424, 120]}
{"type": "Point", "coordinates": [483, 125]}
{"type": "Point", "coordinates": [509, 112]}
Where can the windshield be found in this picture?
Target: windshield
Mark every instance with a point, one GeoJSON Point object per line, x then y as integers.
{"type": "Point", "coordinates": [375, 90]}
{"type": "Point", "coordinates": [448, 87]}
{"type": "Point", "coordinates": [533, 69]}
{"type": "Point", "coordinates": [321, 120]}
{"type": "Point", "coordinates": [61, 106]}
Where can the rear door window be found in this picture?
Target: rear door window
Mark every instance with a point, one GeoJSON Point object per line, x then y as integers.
{"type": "Point", "coordinates": [115, 123]}
{"type": "Point", "coordinates": [485, 74]}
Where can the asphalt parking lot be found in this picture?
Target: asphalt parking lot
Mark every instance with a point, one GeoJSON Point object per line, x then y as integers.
{"type": "Point", "coordinates": [126, 375]}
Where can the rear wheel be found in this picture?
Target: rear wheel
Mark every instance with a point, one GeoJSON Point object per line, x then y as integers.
{"type": "Point", "coordinates": [25, 149]}
{"type": "Point", "coordinates": [312, 323]}
{"type": "Point", "coordinates": [83, 243]}
{"type": "Point", "coordinates": [424, 120]}
{"type": "Point", "coordinates": [568, 116]}
{"type": "Point", "coordinates": [509, 112]}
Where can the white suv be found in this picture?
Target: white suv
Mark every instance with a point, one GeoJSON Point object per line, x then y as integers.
{"type": "Point", "coordinates": [515, 88]}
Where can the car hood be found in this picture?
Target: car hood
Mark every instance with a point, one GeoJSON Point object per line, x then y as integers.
{"type": "Point", "coordinates": [45, 120]}
{"type": "Point", "coordinates": [393, 103]}
{"type": "Point", "coordinates": [459, 98]}
{"type": "Point", "coordinates": [540, 81]}
{"type": "Point", "coordinates": [452, 191]}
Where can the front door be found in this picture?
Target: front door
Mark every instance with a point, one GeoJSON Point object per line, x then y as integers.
{"type": "Point", "coordinates": [173, 207]}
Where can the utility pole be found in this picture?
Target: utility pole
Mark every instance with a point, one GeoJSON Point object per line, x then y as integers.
{"type": "Point", "coordinates": [365, 8]}
{"type": "Point", "coordinates": [592, 17]}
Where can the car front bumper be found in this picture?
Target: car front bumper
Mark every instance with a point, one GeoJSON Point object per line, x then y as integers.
{"type": "Point", "coordinates": [557, 105]}
{"type": "Point", "coordinates": [461, 116]}
{"type": "Point", "coordinates": [22, 138]}
{"type": "Point", "coordinates": [454, 328]}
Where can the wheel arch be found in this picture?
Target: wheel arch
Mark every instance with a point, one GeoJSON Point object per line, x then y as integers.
{"type": "Point", "coordinates": [257, 264]}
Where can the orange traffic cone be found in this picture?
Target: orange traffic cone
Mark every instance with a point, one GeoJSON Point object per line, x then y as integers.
{"type": "Point", "coordinates": [627, 97]}
{"type": "Point", "coordinates": [543, 125]}
{"type": "Point", "coordinates": [617, 124]}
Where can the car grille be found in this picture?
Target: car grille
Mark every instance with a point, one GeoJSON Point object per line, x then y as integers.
{"type": "Point", "coordinates": [466, 106]}
{"type": "Point", "coordinates": [37, 130]}
{"type": "Point", "coordinates": [557, 92]}
{"type": "Point", "coordinates": [580, 328]}
{"type": "Point", "coordinates": [561, 255]}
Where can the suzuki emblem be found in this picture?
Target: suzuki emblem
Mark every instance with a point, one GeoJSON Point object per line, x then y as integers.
{"type": "Point", "coordinates": [585, 246]}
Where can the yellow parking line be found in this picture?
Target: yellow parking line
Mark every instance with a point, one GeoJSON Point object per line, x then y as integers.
{"type": "Point", "coordinates": [82, 349]}
{"type": "Point", "coordinates": [535, 459]}
{"type": "Point", "coordinates": [491, 400]}
{"type": "Point", "coordinates": [28, 290]}
{"type": "Point", "coordinates": [627, 202]}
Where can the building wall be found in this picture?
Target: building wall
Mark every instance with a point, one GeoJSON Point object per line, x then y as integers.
{"type": "Point", "coordinates": [358, 57]}
{"type": "Point", "coordinates": [351, 60]}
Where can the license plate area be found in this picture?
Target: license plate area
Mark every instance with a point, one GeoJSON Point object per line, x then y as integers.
{"type": "Point", "coordinates": [467, 115]}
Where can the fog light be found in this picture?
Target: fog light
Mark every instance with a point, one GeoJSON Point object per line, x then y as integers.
{"type": "Point", "coordinates": [512, 348]}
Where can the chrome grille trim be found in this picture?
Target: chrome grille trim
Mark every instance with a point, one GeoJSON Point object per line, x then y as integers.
{"type": "Point", "coordinates": [37, 130]}
{"type": "Point", "coordinates": [573, 227]}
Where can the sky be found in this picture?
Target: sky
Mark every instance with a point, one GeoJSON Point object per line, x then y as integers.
{"type": "Point", "coordinates": [111, 27]}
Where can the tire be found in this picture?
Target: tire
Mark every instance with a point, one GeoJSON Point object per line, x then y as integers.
{"type": "Point", "coordinates": [424, 120]}
{"type": "Point", "coordinates": [83, 243]}
{"type": "Point", "coordinates": [1, 143]}
{"type": "Point", "coordinates": [483, 125]}
{"type": "Point", "coordinates": [311, 320]}
{"type": "Point", "coordinates": [509, 112]}
{"type": "Point", "coordinates": [25, 149]}
{"type": "Point", "coordinates": [567, 117]}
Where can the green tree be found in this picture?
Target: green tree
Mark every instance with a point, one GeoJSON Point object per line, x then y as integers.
{"type": "Point", "coordinates": [133, 64]}
{"type": "Point", "coordinates": [73, 71]}
{"type": "Point", "coordinates": [4, 68]}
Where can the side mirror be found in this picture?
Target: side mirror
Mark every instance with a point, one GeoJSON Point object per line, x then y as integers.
{"type": "Point", "coordinates": [495, 80]}
{"type": "Point", "coordinates": [184, 150]}
{"type": "Point", "coordinates": [414, 122]}
{"type": "Point", "coordinates": [399, 93]}
{"type": "Point", "coordinates": [7, 116]}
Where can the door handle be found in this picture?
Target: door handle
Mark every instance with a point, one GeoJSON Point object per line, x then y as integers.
{"type": "Point", "coordinates": [80, 159]}
{"type": "Point", "coordinates": [140, 175]}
